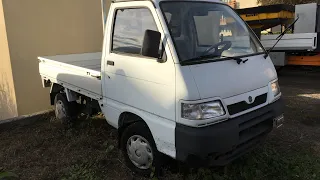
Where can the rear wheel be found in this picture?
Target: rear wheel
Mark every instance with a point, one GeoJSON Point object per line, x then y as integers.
{"type": "Point", "coordinates": [139, 149]}
{"type": "Point", "coordinates": [64, 110]}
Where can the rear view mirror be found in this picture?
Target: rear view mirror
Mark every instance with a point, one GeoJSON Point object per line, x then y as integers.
{"type": "Point", "coordinates": [151, 42]}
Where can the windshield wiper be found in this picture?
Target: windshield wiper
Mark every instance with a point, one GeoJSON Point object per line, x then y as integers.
{"type": "Point", "coordinates": [205, 57]}
{"type": "Point", "coordinates": [280, 37]}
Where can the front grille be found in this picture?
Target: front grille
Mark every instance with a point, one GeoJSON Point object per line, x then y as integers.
{"type": "Point", "coordinates": [251, 132]}
{"type": "Point", "coordinates": [239, 150]}
{"type": "Point", "coordinates": [243, 105]}
{"type": "Point", "coordinates": [255, 127]}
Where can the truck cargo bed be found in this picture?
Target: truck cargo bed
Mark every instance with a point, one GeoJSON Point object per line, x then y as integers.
{"type": "Point", "coordinates": [291, 42]}
{"type": "Point", "coordinates": [78, 72]}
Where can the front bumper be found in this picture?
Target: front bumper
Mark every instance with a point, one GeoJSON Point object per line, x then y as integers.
{"type": "Point", "coordinates": [221, 143]}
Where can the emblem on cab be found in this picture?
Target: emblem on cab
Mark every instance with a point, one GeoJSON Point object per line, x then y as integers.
{"type": "Point", "coordinates": [250, 99]}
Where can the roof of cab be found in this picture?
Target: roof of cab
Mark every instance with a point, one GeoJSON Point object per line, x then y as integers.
{"type": "Point", "coordinates": [157, 1]}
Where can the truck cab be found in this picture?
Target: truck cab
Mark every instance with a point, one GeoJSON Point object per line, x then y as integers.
{"type": "Point", "coordinates": [186, 79]}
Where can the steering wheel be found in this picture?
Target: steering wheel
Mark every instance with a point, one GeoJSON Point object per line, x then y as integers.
{"type": "Point", "coordinates": [226, 45]}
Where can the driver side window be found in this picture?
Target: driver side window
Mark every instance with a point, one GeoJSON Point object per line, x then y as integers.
{"type": "Point", "coordinates": [129, 28]}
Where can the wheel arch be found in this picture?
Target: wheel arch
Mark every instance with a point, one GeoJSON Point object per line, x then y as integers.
{"type": "Point", "coordinates": [127, 118]}
{"type": "Point", "coordinates": [162, 130]}
{"type": "Point", "coordinates": [55, 89]}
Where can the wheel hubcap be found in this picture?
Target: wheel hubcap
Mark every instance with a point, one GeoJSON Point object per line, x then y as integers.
{"type": "Point", "coordinates": [60, 110]}
{"type": "Point", "coordinates": [140, 152]}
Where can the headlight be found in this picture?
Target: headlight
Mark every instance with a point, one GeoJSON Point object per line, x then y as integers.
{"type": "Point", "coordinates": [202, 111]}
{"type": "Point", "coordinates": [275, 88]}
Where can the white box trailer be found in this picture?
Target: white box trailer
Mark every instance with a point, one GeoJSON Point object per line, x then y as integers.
{"type": "Point", "coordinates": [291, 42]}
{"type": "Point", "coordinates": [302, 45]}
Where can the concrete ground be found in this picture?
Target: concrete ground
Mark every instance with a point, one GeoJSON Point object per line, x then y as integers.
{"type": "Point", "coordinates": [46, 150]}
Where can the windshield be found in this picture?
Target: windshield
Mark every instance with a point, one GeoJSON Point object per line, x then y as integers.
{"type": "Point", "coordinates": [203, 28]}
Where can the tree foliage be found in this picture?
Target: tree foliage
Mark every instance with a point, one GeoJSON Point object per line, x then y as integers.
{"type": "Point", "coordinates": [291, 2]}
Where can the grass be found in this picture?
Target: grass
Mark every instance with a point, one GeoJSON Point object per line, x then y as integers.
{"type": "Point", "coordinates": [7, 175]}
{"type": "Point", "coordinates": [82, 153]}
{"type": "Point", "coordinates": [266, 162]}
{"type": "Point", "coordinates": [80, 171]}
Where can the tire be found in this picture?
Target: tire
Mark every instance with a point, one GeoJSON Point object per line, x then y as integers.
{"type": "Point", "coordinates": [65, 111]}
{"type": "Point", "coordinates": [144, 158]}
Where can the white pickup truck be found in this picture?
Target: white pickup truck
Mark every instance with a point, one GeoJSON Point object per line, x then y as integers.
{"type": "Point", "coordinates": [186, 79]}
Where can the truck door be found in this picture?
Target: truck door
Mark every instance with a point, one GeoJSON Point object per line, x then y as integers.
{"type": "Point", "coordinates": [134, 81]}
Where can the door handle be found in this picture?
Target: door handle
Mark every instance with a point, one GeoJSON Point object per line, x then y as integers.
{"type": "Point", "coordinates": [110, 63]}
{"type": "Point", "coordinates": [98, 77]}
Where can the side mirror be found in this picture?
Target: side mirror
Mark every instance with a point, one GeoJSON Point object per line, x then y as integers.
{"type": "Point", "coordinates": [151, 42]}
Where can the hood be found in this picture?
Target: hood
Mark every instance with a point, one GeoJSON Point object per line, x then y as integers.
{"type": "Point", "coordinates": [227, 78]}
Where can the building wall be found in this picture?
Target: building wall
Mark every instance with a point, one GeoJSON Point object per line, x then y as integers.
{"type": "Point", "coordinates": [237, 4]}
{"type": "Point", "coordinates": [46, 27]}
{"type": "Point", "coordinates": [234, 4]}
{"type": "Point", "coordinates": [8, 106]}
{"type": "Point", "coordinates": [247, 3]}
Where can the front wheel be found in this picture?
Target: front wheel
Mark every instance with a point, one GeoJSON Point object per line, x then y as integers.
{"type": "Point", "coordinates": [139, 149]}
